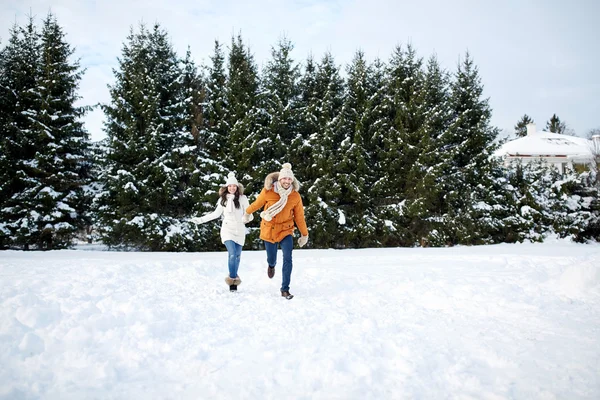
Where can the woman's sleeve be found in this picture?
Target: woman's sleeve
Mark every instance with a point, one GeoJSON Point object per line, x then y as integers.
{"type": "Point", "coordinates": [245, 203]}
{"type": "Point", "coordinates": [215, 214]}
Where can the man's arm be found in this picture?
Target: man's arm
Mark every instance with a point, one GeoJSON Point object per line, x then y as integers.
{"type": "Point", "coordinates": [299, 218]}
{"type": "Point", "coordinates": [258, 203]}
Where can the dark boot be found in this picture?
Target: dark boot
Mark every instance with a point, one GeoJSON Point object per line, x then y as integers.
{"type": "Point", "coordinates": [271, 272]}
{"type": "Point", "coordinates": [287, 295]}
{"type": "Point", "coordinates": [233, 288]}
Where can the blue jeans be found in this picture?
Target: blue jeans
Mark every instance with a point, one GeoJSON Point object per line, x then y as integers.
{"type": "Point", "coordinates": [235, 252]}
{"type": "Point", "coordinates": [287, 245]}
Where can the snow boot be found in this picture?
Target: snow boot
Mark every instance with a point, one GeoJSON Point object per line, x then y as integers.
{"type": "Point", "coordinates": [287, 294]}
{"type": "Point", "coordinates": [233, 283]}
{"type": "Point", "coordinates": [270, 272]}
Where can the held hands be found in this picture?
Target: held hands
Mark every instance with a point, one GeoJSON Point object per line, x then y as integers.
{"type": "Point", "coordinates": [247, 218]}
{"type": "Point", "coordinates": [302, 241]}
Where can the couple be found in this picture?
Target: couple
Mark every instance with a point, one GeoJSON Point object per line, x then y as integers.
{"type": "Point", "coordinates": [282, 208]}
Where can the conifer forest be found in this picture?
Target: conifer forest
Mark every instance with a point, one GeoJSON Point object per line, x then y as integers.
{"type": "Point", "coordinates": [391, 152]}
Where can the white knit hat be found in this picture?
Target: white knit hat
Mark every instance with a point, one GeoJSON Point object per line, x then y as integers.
{"type": "Point", "coordinates": [286, 171]}
{"type": "Point", "coordinates": [231, 180]}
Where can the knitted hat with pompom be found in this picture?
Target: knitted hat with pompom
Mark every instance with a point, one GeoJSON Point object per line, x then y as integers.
{"type": "Point", "coordinates": [286, 171]}
{"type": "Point", "coordinates": [231, 180]}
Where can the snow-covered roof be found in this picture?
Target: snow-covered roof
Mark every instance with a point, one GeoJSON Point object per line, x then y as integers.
{"type": "Point", "coordinates": [547, 144]}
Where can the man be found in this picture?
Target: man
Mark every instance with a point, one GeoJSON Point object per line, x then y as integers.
{"type": "Point", "coordinates": [282, 209]}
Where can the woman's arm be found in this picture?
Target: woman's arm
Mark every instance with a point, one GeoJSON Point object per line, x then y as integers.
{"type": "Point", "coordinates": [210, 216]}
{"type": "Point", "coordinates": [246, 218]}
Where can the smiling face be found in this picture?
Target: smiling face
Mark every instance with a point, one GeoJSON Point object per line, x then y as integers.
{"type": "Point", "coordinates": [232, 188]}
{"type": "Point", "coordinates": [286, 182]}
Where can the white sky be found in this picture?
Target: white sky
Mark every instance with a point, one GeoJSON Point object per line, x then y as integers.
{"type": "Point", "coordinates": [506, 321]}
{"type": "Point", "coordinates": [536, 57]}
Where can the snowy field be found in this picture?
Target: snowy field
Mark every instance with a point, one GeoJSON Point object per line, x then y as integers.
{"type": "Point", "coordinates": [491, 322]}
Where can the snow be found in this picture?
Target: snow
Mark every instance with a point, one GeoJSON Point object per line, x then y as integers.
{"type": "Point", "coordinates": [518, 321]}
{"type": "Point", "coordinates": [342, 217]}
{"type": "Point", "coordinates": [543, 143]}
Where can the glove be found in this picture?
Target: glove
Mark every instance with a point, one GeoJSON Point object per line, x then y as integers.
{"type": "Point", "coordinates": [302, 241]}
{"type": "Point", "coordinates": [247, 218]}
{"type": "Point", "coordinates": [197, 220]}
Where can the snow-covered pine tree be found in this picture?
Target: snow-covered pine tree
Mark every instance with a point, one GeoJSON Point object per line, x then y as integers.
{"type": "Point", "coordinates": [21, 102]}
{"type": "Point", "coordinates": [423, 209]}
{"type": "Point", "coordinates": [357, 223]}
{"type": "Point", "coordinates": [43, 206]}
{"type": "Point", "coordinates": [207, 173]}
{"type": "Point", "coordinates": [553, 203]}
{"type": "Point", "coordinates": [280, 101]}
{"type": "Point", "coordinates": [244, 117]}
{"type": "Point", "coordinates": [535, 198]}
{"type": "Point", "coordinates": [576, 214]}
{"type": "Point", "coordinates": [377, 125]}
{"type": "Point", "coordinates": [402, 143]}
{"type": "Point", "coordinates": [467, 148]}
{"type": "Point", "coordinates": [6, 158]}
{"type": "Point", "coordinates": [96, 161]}
{"type": "Point", "coordinates": [156, 168]}
{"type": "Point", "coordinates": [63, 166]}
{"type": "Point", "coordinates": [301, 152]}
{"type": "Point", "coordinates": [521, 126]}
{"type": "Point", "coordinates": [194, 99]}
{"type": "Point", "coordinates": [215, 106]}
{"type": "Point", "coordinates": [18, 111]}
{"type": "Point", "coordinates": [324, 190]}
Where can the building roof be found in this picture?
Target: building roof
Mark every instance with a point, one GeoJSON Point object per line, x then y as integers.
{"type": "Point", "coordinates": [548, 144]}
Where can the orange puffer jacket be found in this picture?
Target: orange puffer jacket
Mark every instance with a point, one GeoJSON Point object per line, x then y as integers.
{"type": "Point", "coordinates": [282, 224]}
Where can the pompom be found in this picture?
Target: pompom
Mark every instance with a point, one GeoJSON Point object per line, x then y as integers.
{"type": "Point", "coordinates": [231, 179]}
{"type": "Point", "coordinates": [287, 165]}
{"type": "Point", "coordinates": [264, 215]}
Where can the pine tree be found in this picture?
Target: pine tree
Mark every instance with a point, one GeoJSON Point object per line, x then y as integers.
{"type": "Point", "coordinates": [402, 143]}
{"type": "Point", "coordinates": [215, 107]}
{"type": "Point", "coordinates": [301, 152]}
{"type": "Point", "coordinates": [323, 189]}
{"type": "Point", "coordinates": [424, 208]}
{"type": "Point", "coordinates": [244, 117]}
{"type": "Point", "coordinates": [279, 102]}
{"type": "Point", "coordinates": [467, 147]}
{"type": "Point", "coordinates": [157, 168]}
{"type": "Point", "coordinates": [352, 171]}
{"type": "Point", "coordinates": [521, 126]}
{"type": "Point", "coordinates": [555, 125]}
{"type": "Point", "coordinates": [535, 200]}
{"type": "Point", "coordinates": [20, 104]}
{"type": "Point", "coordinates": [45, 143]}
{"type": "Point", "coordinates": [64, 165]}
{"type": "Point", "coordinates": [378, 124]}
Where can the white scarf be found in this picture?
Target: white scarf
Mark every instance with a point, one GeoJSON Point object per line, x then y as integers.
{"type": "Point", "coordinates": [229, 206]}
{"type": "Point", "coordinates": [272, 211]}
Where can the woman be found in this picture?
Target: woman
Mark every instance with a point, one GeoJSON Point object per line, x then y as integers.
{"type": "Point", "coordinates": [232, 205]}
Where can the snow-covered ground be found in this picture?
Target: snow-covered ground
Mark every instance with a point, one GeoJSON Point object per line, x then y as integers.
{"type": "Point", "coordinates": [492, 322]}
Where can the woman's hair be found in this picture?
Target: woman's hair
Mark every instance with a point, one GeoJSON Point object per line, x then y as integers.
{"type": "Point", "coordinates": [236, 199]}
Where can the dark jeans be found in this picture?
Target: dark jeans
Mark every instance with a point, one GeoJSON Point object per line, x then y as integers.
{"type": "Point", "coordinates": [235, 252]}
{"type": "Point", "coordinates": [287, 245]}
